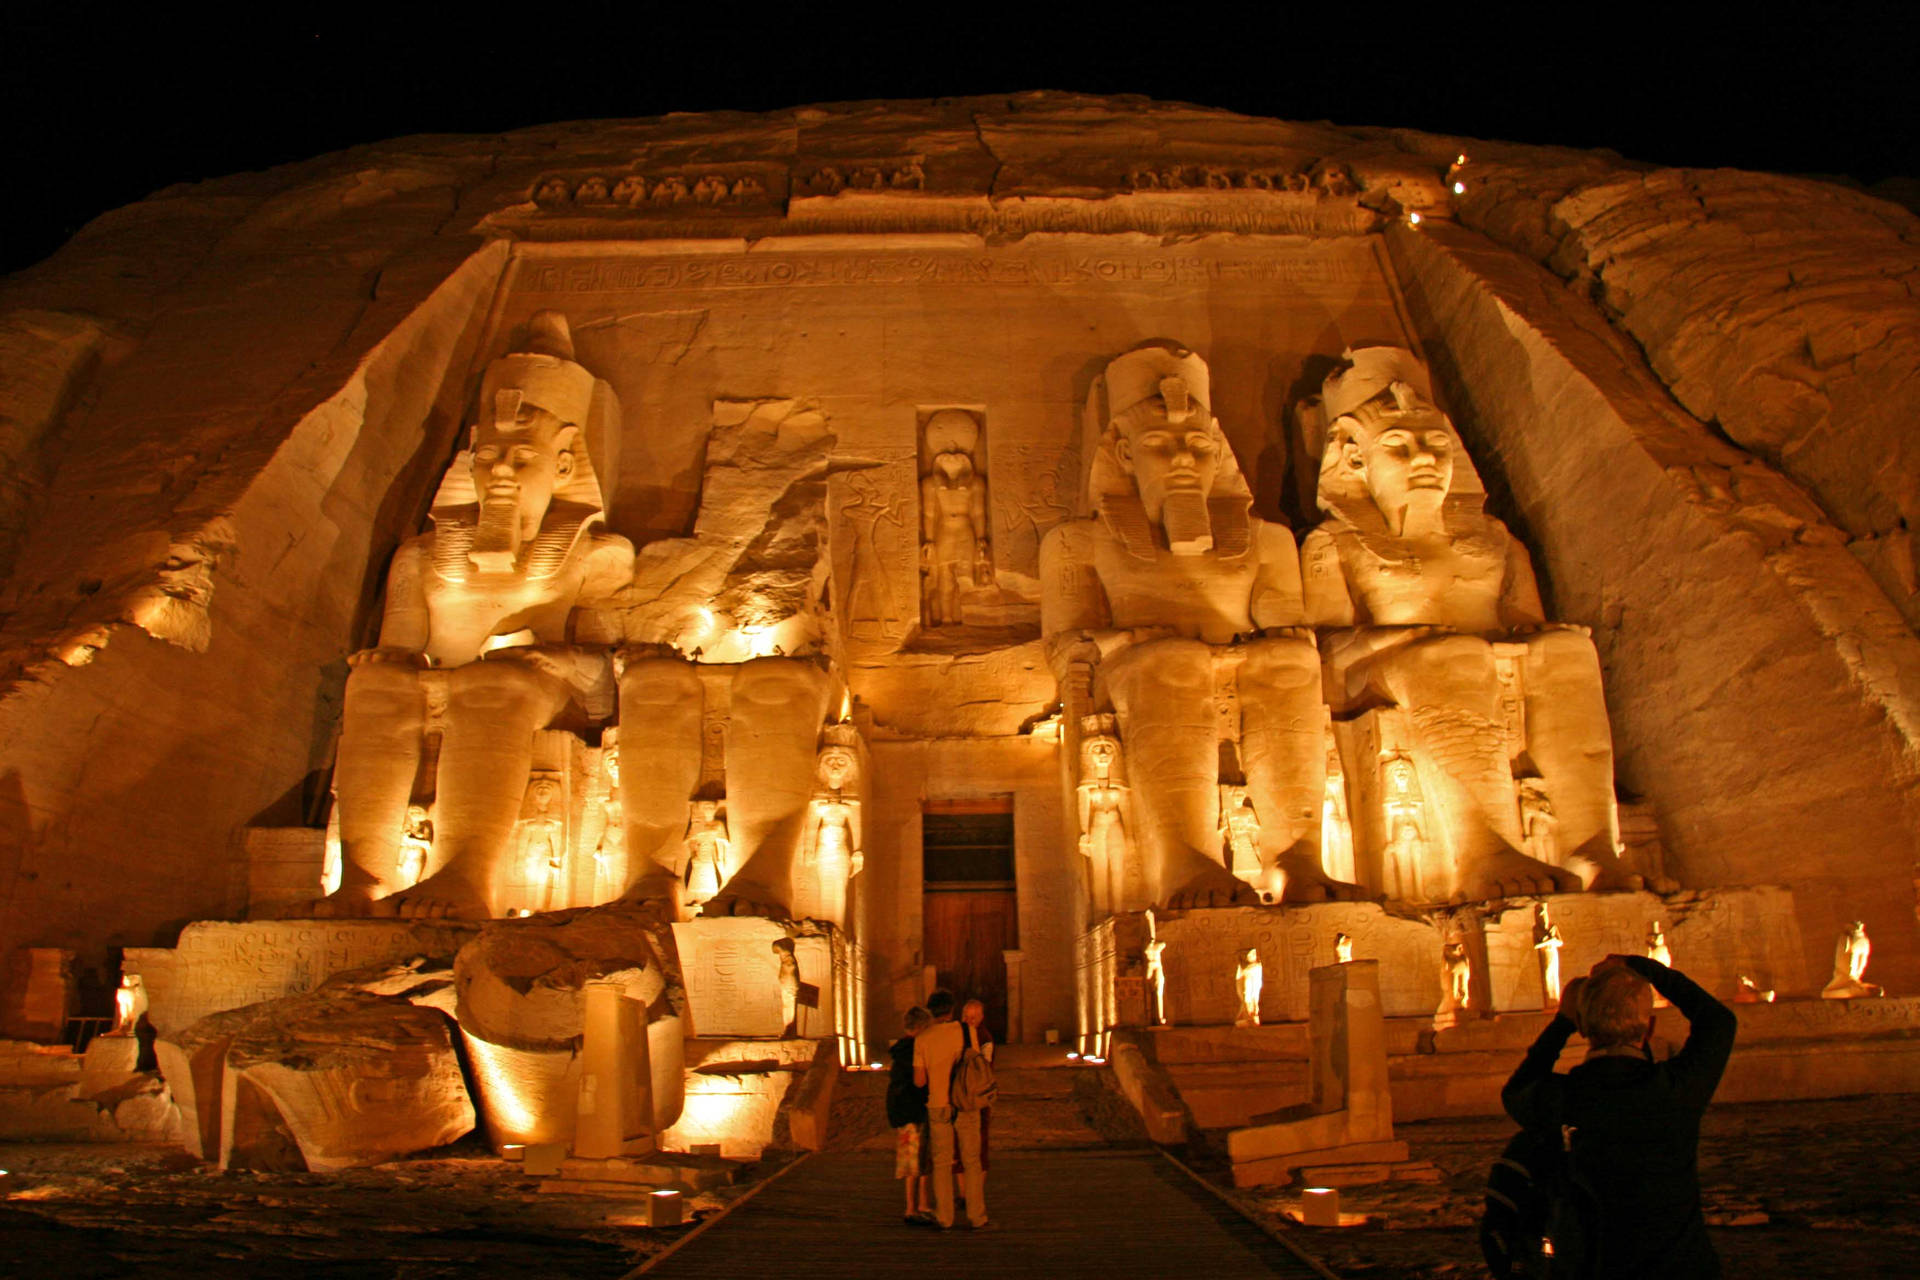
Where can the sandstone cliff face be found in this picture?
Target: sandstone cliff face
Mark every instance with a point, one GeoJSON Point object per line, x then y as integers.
{"type": "Point", "coordinates": [222, 407]}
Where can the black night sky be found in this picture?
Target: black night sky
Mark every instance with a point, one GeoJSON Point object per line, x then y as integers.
{"type": "Point", "coordinates": [103, 103]}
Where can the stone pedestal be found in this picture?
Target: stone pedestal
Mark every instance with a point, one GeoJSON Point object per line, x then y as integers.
{"type": "Point", "coordinates": [1348, 1116]}
{"type": "Point", "coordinates": [614, 1114]}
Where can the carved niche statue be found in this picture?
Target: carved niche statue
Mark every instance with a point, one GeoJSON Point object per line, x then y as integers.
{"type": "Point", "coordinates": [1102, 795]}
{"type": "Point", "coordinates": [953, 518]}
{"type": "Point", "coordinates": [1342, 948]}
{"type": "Point", "coordinates": [1458, 971]}
{"type": "Point", "coordinates": [543, 843]}
{"type": "Point", "coordinates": [474, 644]}
{"type": "Point", "coordinates": [1657, 948]}
{"type": "Point", "coordinates": [1249, 976]}
{"type": "Point", "coordinates": [1150, 594]}
{"type": "Point", "coordinates": [1850, 956]}
{"type": "Point", "coordinates": [789, 978]}
{"type": "Point", "coordinates": [603, 827]}
{"type": "Point", "coordinates": [1412, 583]}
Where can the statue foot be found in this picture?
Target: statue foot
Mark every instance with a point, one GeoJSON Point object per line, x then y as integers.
{"type": "Point", "coordinates": [745, 902]}
{"type": "Point", "coordinates": [1599, 866]}
{"type": "Point", "coordinates": [1511, 874]}
{"type": "Point", "coordinates": [1214, 886]}
{"type": "Point", "coordinates": [1307, 881]}
{"type": "Point", "coordinates": [440, 897]}
{"type": "Point", "coordinates": [343, 904]}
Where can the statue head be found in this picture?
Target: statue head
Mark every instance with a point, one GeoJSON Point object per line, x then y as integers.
{"type": "Point", "coordinates": [837, 767]}
{"type": "Point", "coordinates": [952, 431]}
{"type": "Point", "coordinates": [1099, 748]}
{"type": "Point", "coordinates": [1165, 438]}
{"type": "Point", "coordinates": [1386, 440]}
{"type": "Point", "coordinates": [706, 810]}
{"type": "Point", "coordinates": [532, 404]}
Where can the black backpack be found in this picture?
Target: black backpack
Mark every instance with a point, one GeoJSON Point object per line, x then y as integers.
{"type": "Point", "coordinates": [1542, 1217]}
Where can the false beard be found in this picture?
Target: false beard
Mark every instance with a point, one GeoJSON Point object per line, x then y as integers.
{"type": "Point", "coordinates": [496, 542]}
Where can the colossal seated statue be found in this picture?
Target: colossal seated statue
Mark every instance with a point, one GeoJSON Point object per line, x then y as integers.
{"type": "Point", "coordinates": [1172, 593]}
{"type": "Point", "coordinates": [474, 646]}
{"type": "Point", "coordinates": [1429, 612]}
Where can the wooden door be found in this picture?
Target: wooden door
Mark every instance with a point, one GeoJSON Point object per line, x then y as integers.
{"type": "Point", "coordinates": [968, 932]}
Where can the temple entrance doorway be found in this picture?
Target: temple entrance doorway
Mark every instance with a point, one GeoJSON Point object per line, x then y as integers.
{"type": "Point", "coordinates": [969, 909]}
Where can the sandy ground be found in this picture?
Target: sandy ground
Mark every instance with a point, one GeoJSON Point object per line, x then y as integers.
{"type": "Point", "coordinates": [1792, 1189]}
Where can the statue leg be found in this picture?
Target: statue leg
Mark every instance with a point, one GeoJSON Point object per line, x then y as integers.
{"type": "Point", "coordinates": [773, 743]}
{"type": "Point", "coordinates": [486, 752]}
{"type": "Point", "coordinates": [1571, 743]}
{"type": "Point", "coordinates": [661, 707]}
{"type": "Point", "coordinates": [1451, 693]}
{"type": "Point", "coordinates": [1284, 749]}
{"type": "Point", "coordinates": [381, 736]}
{"type": "Point", "coordinates": [1163, 692]}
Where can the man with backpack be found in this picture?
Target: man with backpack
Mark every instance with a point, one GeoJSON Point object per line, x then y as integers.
{"type": "Point", "coordinates": [943, 1061]}
{"type": "Point", "coordinates": [1615, 1141]}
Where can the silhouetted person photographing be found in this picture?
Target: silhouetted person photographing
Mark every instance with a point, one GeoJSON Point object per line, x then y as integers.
{"type": "Point", "coordinates": [1628, 1127]}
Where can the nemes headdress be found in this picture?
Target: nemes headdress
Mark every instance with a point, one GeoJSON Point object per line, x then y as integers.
{"type": "Point", "coordinates": [543, 371]}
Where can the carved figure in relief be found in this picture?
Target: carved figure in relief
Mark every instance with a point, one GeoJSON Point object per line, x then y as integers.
{"type": "Point", "coordinates": [789, 979]}
{"type": "Point", "coordinates": [832, 853]}
{"type": "Point", "coordinates": [1155, 954]}
{"type": "Point", "coordinates": [474, 644]}
{"type": "Point", "coordinates": [1411, 582]}
{"type": "Point", "coordinates": [1249, 976]}
{"type": "Point", "coordinates": [1850, 957]}
{"type": "Point", "coordinates": [1150, 592]}
{"type": "Point", "coordinates": [416, 844]}
{"type": "Point", "coordinates": [1342, 948]}
{"type": "Point", "coordinates": [709, 852]}
{"type": "Point", "coordinates": [872, 612]}
{"type": "Point", "coordinates": [1548, 943]}
{"type": "Point", "coordinates": [953, 518]}
{"type": "Point", "coordinates": [1102, 796]}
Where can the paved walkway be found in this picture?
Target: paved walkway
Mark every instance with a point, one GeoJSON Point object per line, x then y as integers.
{"type": "Point", "coordinates": [1115, 1213]}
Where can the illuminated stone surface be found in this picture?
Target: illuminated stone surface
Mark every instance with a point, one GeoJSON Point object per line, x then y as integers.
{"type": "Point", "coordinates": [1042, 451]}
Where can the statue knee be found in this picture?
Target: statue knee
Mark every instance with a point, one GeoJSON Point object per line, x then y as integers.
{"type": "Point", "coordinates": [1158, 670]}
{"type": "Point", "coordinates": [1564, 653]}
{"type": "Point", "coordinates": [507, 690]}
{"type": "Point", "coordinates": [778, 682]}
{"type": "Point", "coordinates": [384, 693]}
{"type": "Point", "coordinates": [1443, 668]}
{"type": "Point", "coordinates": [647, 683]}
{"type": "Point", "coordinates": [1282, 665]}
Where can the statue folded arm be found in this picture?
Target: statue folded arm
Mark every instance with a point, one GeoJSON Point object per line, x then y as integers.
{"type": "Point", "coordinates": [1074, 615]}
{"type": "Point", "coordinates": [406, 623]}
{"type": "Point", "coordinates": [1276, 598]}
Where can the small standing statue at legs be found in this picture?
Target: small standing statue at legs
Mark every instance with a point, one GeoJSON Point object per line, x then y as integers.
{"type": "Point", "coordinates": [709, 852]}
{"type": "Point", "coordinates": [1342, 948]}
{"type": "Point", "coordinates": [1657, 950]}
{"type": "Point", "coordinates": [416, 845]}
{"type": "Point", "coordinates": [1156, 974]}
{"type": "Point", "coordinates": [1248, 978]}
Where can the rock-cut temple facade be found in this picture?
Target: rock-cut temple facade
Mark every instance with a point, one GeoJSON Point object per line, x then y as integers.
{"type": "Point", "coordinates": [682, 589]}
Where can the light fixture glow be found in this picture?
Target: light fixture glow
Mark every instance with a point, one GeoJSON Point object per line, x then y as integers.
{"type": "Point", "coordinates": [1459, 188]}
{"type": "Point", "coordinates": [1413, 217]}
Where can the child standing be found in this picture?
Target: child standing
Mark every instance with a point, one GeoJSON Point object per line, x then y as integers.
{"type": "Point", "coordinates": [907, 1113]}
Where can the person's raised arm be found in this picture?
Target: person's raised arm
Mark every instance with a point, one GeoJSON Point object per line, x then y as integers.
{"type": "Point", "coordinates": [1710, 1028]}
{"type": "Point", "coordinates": [1529, 1091]}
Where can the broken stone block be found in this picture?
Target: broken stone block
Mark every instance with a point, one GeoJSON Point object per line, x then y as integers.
{"type": "Point", "coordinates": [521, 1003]}
{"type": "Point", "coordinates": [321, 1081]}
